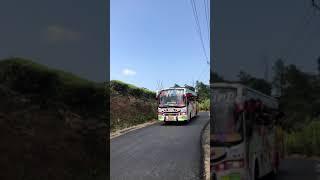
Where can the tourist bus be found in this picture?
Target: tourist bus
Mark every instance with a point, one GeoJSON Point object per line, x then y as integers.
{"type": "Point", "coordinates": [177, 104]}
{"type": "Point", "coordinates": [243, 142]}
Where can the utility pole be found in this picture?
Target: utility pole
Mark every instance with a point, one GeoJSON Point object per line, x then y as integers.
{"type": "Point", "coordinates": [265, 62]}
{"type": "Point", "coordinates": [318, 61]}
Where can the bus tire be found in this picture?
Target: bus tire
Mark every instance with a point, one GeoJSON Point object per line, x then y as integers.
{"type": "Point", "coordinates": [273, 174]}
{"type": "Point", "coordinates": [256, 171]}
{"type": "Point", "coordinates": [275, 168]}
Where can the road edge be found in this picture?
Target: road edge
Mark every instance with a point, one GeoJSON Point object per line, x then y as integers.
{"type": "Point", "coordinates": [132, 128]}
{"type": "Point", "coordinates": [203, 156]}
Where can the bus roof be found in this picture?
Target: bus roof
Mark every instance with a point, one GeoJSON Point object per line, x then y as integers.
{"type": "Point", "coordinates": [186, 90]}
{"type": "Point", "coordinates": [251, 93]}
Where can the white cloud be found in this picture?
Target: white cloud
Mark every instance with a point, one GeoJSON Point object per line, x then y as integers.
{"type": "Point", "coordinates": [128, 72]}
{"type": "Point", "coordinates": [59, 33]}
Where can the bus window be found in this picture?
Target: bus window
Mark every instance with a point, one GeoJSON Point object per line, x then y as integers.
{"type": "Point", "coordinates": [228, 125]}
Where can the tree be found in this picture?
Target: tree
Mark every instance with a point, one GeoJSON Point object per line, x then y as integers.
{"type": "Point", "coordinates": [203, 91]}
{"type": "Point", "coordinates": [254, 83]}
{"type": "Point", "coordinates": [298, 96]}
{"type": "Point", "coordinates": [176, 85]}
{"type": "Point", "coordinates": [244, 77]}
{"type": "Point", "coordinates": [214, 77]}
{"type": "Point", "coordinates": [278, 78]}
{"type": "Point", "coordinates": [319, 65]}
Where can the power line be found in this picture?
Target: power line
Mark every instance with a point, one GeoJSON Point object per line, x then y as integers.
{"type": "Point", "coordinates": [201, 72]}
{"type": "Point", "coordinates": [206, 13]}
{"type": "Point", "coordinates": [198, 27]}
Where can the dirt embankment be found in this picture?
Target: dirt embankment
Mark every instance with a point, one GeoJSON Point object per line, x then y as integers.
{"type": "Point", "coordinates": [44, 137]}
{"type": "Point", "coordinates": [127, 111]}
{"type": "Point", "coordinates": [41, 142]}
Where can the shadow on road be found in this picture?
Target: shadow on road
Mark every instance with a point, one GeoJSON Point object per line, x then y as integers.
{"type": "Point", "coordinates": [296, 169]}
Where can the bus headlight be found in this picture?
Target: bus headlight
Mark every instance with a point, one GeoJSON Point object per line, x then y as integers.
{"type": "Point", "coordinates": [183, 110]}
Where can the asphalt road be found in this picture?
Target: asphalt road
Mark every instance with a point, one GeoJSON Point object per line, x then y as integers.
{"type": "Point", "coordinates": [158, 152]}
{"type": "Point", "coordinates": [299, 169]}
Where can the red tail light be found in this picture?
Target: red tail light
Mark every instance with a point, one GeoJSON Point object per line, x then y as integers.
{"type": "Point", "coordinates": [236, 164]}
{"type": "Point", "coordinates": [239, 107]}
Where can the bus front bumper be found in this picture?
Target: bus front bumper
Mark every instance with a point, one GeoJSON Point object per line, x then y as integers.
{"type": "Point", "coordinates": [231, 175]}
{"type": "Point", "coordinates": [172, 118]}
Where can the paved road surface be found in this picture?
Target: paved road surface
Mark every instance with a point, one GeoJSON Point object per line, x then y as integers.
{"type": "Point", "coordinates": [158, 152]}
{"type": "Point", "coordinates": [297, 169]}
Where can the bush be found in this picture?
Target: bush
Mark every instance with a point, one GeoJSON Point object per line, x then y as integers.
{"type": "Point", "coordinates": [50, 85]}
{"type": "Point", "coordinates": [119, 86]}
{"type": "Point", "coordinates": [136, 92]}
{"type": "Point", "coordinates": [204, 105]}
{"type": "Point", "coordinates": [128, 89]}
{"type": "Point", "coordinates": [305, 141]}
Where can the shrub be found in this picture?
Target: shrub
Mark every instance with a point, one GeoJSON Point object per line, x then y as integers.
{"type": "Point", "coordinates": [128, 89]}
{"type": "Point", "coordinates": [119, 86]}
{"type": "Point", "coordinates": [204, 105]}
{"type": "Point", "coordinates": [49, 85]}
{"type": "Point", "coordinates": [305, 141]}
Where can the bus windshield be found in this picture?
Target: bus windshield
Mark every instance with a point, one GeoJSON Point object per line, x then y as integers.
{"type": "Point", "coordinates": [227, 125]}
{"type": "Point", "coordinates": [171, 97]}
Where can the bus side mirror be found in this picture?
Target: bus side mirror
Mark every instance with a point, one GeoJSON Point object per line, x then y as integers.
{"type": "Point", "coordinates": [279, 115]}
{"type": "Point", "coordinates": [157, 94]}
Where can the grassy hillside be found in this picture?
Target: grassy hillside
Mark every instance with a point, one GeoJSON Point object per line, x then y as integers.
{"type": "Point", "coordinates": [46, 85]}
{"type": "Point", "coordinates": [55, 122]}
{"type": "Point", "coordinates": [130, 105]}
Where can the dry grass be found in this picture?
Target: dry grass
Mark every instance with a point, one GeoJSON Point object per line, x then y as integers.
{"type": "Point", "coordinates": [128, 111]}
{"type": "Point", "coordinates": [206, 152]}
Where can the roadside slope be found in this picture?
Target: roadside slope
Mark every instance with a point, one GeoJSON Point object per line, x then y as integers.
{"type": "Point", "coordinates": [53, 124]}
{"type": "Point", "coordinates": [130, 105]}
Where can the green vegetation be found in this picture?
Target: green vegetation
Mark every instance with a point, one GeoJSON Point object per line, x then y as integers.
{"type": "Point", "coordinates": [54, 117]}
{"type": "Point", "coordinates": [203, 96]}
{"type": "Point", "coordinates": [204, 105]}
{"type": "Point", "coordinates": [255, 83]}
{"type": "Point", "coordinates": [129, 89]}
{"type": "Point", "coordinates": [130, 105]}
{"type": "Point", "coordinates": [50, 86]}
{"type": "Point", "coordinates": [305, 141]}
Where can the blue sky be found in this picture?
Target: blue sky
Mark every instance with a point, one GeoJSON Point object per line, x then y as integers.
{"type": "Point", "coordinates": [152, 41]}
{"type": "Point", "coordinates": [64, 34]}
{"type": "Point", "coordinates": [248, 33]}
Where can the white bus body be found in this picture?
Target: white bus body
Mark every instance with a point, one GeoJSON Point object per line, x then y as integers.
{"type": "Point", "coordinates": [242, 142]}
{"type": "Point", "coordinates": [176, 104]}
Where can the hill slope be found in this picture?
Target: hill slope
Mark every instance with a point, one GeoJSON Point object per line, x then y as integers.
{"type": "Point", "coordinates": [54, 123]}
{"type": "Point", "coordinates": [130, 105]}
